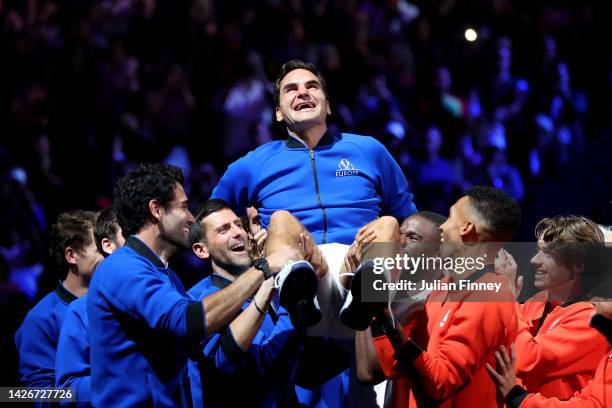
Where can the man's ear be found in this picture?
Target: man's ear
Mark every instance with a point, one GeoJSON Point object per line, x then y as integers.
{"type": "Point", "coordinates": [200, 250]}
{"type": "Point", "coordinates": [577, 269]}
{"type": "Point", "coordinates": [279, 115]}
{"type": "Point", "coordinates": [70, 255]}
{"type": "Point", "coordinates": [468, 232]}
{"type": "Point", "coordinates": [155, 209]}
{"type": "Point", "coordinates": [108, 246]}
{"type": "Point", "coordinates": [328, 108]}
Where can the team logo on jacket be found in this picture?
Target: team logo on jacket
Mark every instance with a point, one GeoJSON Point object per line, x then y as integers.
{"type": "Point", "coordinates": [444, 319]}
{"type": "Point", "coordinates": [345, 168]}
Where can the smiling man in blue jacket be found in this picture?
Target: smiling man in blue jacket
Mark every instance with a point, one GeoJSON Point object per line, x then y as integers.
{"type": "Point", "coordinates": [74, 253]}
{"type": "Point", "coordinates": [259, 349]}
{"type": "Point", "coordinates": [335, 185]}
{"type": "Point", "coordinates": [142, 323]}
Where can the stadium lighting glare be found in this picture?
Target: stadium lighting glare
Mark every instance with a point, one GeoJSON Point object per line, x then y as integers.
{"type": "Point", "coordinates": [471, 35]}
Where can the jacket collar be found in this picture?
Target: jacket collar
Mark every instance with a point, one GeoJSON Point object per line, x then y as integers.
{"type": "Point", "coordinates": [219, 281]}
{"type": "Point", "coordinates": [479, 274]}
{"type": "Point", "coordinates": [64, 294]}
{"type": "Point", "coordinates": [580, 298]}
{"type": "Point", "coordinates": [294, 143]}
{"type": "Point", "coordinates": [143, 250]}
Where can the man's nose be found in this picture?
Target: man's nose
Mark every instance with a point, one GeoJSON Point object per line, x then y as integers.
{"type": "Point", "coordinates": [190, 218]}
{"type": "Point", "coordinates": [236, 230]}
{"type": "Point", "coordinates": [302, 90]}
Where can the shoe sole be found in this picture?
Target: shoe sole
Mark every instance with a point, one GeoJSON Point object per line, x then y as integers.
{"type": "Point", "coordinates": [297, 296]}
{"type": "Point", "coordinates": [358, 315]}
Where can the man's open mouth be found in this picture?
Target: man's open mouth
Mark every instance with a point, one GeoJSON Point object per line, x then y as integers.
{"type": "Point", "coordinates": [238, 248]}
{"type": "Point", "coordinates": [304, 105]}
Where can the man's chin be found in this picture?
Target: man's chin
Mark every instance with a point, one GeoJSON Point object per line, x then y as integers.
{"type": "Point", "coordinates": [241, 260]}
{"type": "Point", "coordinates": [178, 243]}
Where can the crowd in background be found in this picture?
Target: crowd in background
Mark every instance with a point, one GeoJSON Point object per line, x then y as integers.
{"type": "Point", "coordinates": [89, 89]}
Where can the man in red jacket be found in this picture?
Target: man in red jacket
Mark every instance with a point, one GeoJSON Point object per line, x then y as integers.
{"type": "Point", "coordinates": [551, 357]}
{"type": "Point", "coordinates": [597, 393]}
{"type": "Point", "coordinates": [443, 349]}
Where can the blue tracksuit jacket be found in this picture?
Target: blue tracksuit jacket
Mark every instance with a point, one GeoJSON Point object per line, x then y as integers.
{"type": "Point", "coordinates": [142, 326]}
{"type": "Point", "coordinates": [37, 337]}
{"type": "Point", "coordinates": [344, 183]}
{"type": "Point", "coordinates": [72, 362]}
{"type": "Point", "coordinates": [263, 376]}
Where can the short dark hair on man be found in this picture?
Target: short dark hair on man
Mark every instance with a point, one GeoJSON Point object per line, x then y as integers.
{"type": "Point", "coordinates": [106, 227]}
{"type": "Point", "coordinates": [435, 218]}
{"type": "Point", "coordinates": [197, 232]}
{"type": "Point", "coordinates": [291, 66]}
{"type": "Point", "coordinates": [71, 229]}
{"type": "Point", "coordinates": [501, 212]}
{"type": "Point", "coordinates": [134, 191]}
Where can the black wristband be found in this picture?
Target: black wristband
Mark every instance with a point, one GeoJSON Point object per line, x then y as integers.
{"type": "Point", "coordinates": [262, 265]}
{"type": "Point", "coordinates": [258, 308]}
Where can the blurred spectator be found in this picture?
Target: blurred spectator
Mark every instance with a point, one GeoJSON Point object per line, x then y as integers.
{"type": "Point", "coordinates": [245, 105]}
{"type": "Point", "coordinates": [502, 175]}
{"type": "Point", "coordinates": [433, 175]}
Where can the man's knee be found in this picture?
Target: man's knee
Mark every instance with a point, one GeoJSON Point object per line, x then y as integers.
{"type": "Point", "coordinates": [281, 217]}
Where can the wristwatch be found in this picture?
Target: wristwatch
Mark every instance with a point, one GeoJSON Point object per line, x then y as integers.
{"type": "Point", "coordinates": [262, 265]}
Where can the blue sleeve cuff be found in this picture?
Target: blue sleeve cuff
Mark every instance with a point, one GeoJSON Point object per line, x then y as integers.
{"type": "Point", "coordinates": [196, 327]}
{"type": "Point", "coordinates": [231, 349]}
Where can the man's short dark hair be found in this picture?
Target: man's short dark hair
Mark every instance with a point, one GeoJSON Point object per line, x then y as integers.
{"type": "Point", "coordinates": [435, 218]}
{"type": "Point", "coordinates": [106, 227]}
{"type": "Point", "coordinates": [291, 66]}
{"type": "Point", "coordinates": [71, 229]}
{"type": "Point", "coordinates": [197, 231]}
{"type": "Point", "coordinates": [497, 209]}
{"type": "Point", "coordinates": [136, 189]}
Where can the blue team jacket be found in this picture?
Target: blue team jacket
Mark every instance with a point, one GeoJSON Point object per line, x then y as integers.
{"type": "Point", "coordinates": [263, 376]}
{"type": "Point", "coordinates": [142, 326]}
{"type": "Point", "coordinates": [344, 183]}
{"type": "Point", "coordinates": [72, 367]}
{"type": "Point", "coordinates": [37, 337]}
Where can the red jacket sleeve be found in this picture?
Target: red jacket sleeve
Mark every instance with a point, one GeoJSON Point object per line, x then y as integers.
{"type": "Point", "coordinates": [555, 352]}
{"type": "Point", "coordinates": [385, 351]}
{"type": "Point", "coordinates": [597, 393]}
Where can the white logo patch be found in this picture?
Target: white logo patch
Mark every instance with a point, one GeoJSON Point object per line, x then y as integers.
{"type": "Point", "coordinates": [444, 319]}
{"type": "Point", "coordinates": [555, 323]}
{"type": "Point", "coordinates": [345, 168]}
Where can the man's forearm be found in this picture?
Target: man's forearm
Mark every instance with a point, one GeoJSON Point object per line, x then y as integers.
{"type": "Point", "coordinates": [368, 367]}
{"type": "Point", "coordinates": [223, 306]}
{"type": "Point", "coordinates": [246, 325]}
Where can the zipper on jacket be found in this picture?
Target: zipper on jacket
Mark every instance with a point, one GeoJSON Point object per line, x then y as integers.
{"type": "Point", "coordinates": [316, 181]}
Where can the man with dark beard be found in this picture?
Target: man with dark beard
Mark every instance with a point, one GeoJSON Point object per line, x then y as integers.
{"type": "Point", "coordinates": [142, 323]}
{"type": "Point", "coordinates": [259, 349]}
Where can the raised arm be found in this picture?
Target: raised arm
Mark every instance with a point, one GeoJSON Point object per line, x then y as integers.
{"type": "Point", "coordinates": [368, 367]}
{"type": "Point", "coordinates": [222, 306]}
